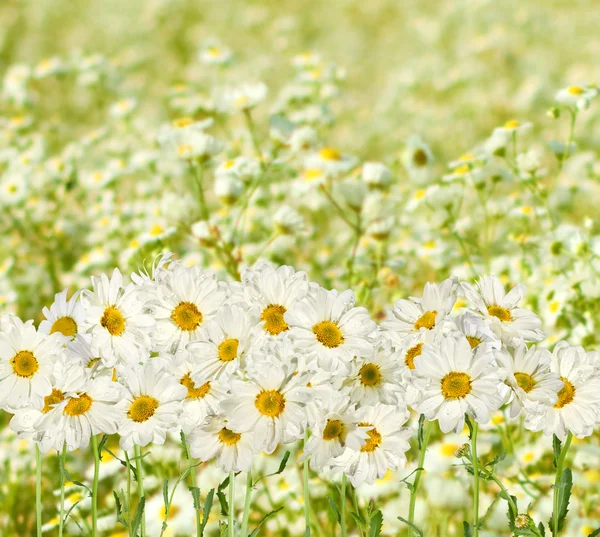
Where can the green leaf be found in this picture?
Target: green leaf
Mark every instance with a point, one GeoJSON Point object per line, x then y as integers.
{"type": "Point", "coordinates": [196, 497]}
{"type": "Point", "coordinates": [165, 491]}
{"type": "Point", "coordinates": [420, 431]}
{"type": "Point", "coordinates": [468, 531]}
{"type": "Point", "coordinates": [101, 445]}
{"type": "Point", "coordinates": [595, 533]}
{"type": "Point", "coordinates": [335, 510]}
{"type": "Point", "coordinates": [123, 463]}
{"type": "Point", "coordinates": [137, 519]}
{"type": "Point", "coordinates": [411, 525]}
{"type": "Point", "coordinates": [487, 513]}
{"type": "Point", "coordinates": [281, 468]}
{"type": "Point", "coordinates": [542, 529]}
{"type": "Point", "coordinates": [564, 495]}
{"type": "Point", "coordinates": [78, 483]}
{"type": "Point", "coordinates": [221, 496]}
{"type": "Point", "coordinates": [375, 524]}
{"type": "Point", "coordinates": [206, 511]}
{"type": "Point", "coordinates": [556, 443]}
{"type": "Point", "coordinates": [264, 519]}
{"type": "Point", "coordinates": [469, 425]}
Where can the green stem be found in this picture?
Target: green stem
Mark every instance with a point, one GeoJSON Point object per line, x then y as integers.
{"type": "Point", "coordinates": [140, 483]}
{"type": "Point", "coordinates": [231, 514]}
{"type": "Point", "coordinates": [343, 506]}
{"type": "Point", "coordinates": [306, 493]}
{"type": "Point", "coordinates": [61, 509]}
{"type": "Point", "coordinates": [475, 480]}
{"type": "Point", "coordinates": [557, 481]}
{"type": "Point", "coordinates": [198, 171]}
{"type": "Point", "coordinates": [38, 490]}
{"type": "Point", "coordinates": [247, 502]}
{"type": "Point", "coordinates": [128, 491]}
{"type": "Point", "coordinates": [186, 446]}
{"type": "Point", "coordinates": [415, 487]}
{"type": "Point", "coordinates": [95, 485]}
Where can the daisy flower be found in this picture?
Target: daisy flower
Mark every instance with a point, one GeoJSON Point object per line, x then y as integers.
{"type": "Point", "coordinates": [418, 314]}
{"type": "Point", "coordinates": [490, 300]}
{"type": "Point", "coordinates": [576, 410]}
{"type": "Point", "coordinates": [27, 359]}
{"type": "Point", "coordinates": [185, 300]}
{"type": "Point", "coordinates": [456, 379]}
{"type": "Point", "coordinates": [328, 327]}
{"type": "Point", "coordinates": [578, 95]}
{"type": "Point", "coordinates": [335, 427]}
{"type": "Point", "coordinates": [116, 319]}
{"type": "Point", "coordinates": [64, 316]}
{"type": "Point", "coordinates": [474, 329]}
{"type": "Point", "coordinates": [151, 405]}
{"type": "Point", "coordinates": [270, 403]}
{"type": "Point", "coordinates": [529, 377]}
{"type": "Point", "coordinates": [385, 447]}
{"type": "Point", "coordinates": [215, 438]}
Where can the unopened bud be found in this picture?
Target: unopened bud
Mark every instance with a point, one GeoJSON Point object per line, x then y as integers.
{"type": "Point", "coordinates": [522, 521]}
{"type": "Point", "coordinates": [463, 451]}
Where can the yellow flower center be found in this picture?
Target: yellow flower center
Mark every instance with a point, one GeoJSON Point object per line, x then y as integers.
{"type": "Point", "coordinates": [411, 354]}
{"type": "Point", "coordinates": [65, 325]}
{"type": "Point", "coordinates": [333, 429]}
{"type": "Point", "coordinates": [113, 320]}
{"type": "Point", "coordinates": [142, 408]}
{"type": "Point", "coordinates": [374, 440]}
{"type": "Point", "coordinates": [330, 153]}
{"type": "Point", "coordinates": [53, 399]}
{"type": "Point", "coordinates": [228, 350]}
{"type": "Point", "coordinates": [24, 364]}
{"type": "Point", "coordinates": [270, 403]}
{"type": "Point", "coordinates": [229, 438]}
{"type": "Point", "coordinates": [455, 385]}
{"type": "Point", "coordinates": [500, 313]}
{"type": "Point", "coordinates": [311, 174]}
{"type": "Point", "coordinates": [182, 122]}
{"type": "Point", "coordinates": [525, 381]}
{"type": "Point", "coordinates": [419, 158]}
{"type": "Point", "coordinates": [193, 392]}
{"type": "Point", "coordinates": [370, 375]}
{"type": "Point", "coordinates": [473, 341]}
{"type": "Point", "coordinates": [273, 318]}
{"type": "Point", "coordinates": [78, 406]}
{"type": "Point", "coordinates": [575, 90]}
{"type": "Point", "coordinates": [512, 124]}
{"type": "Point", "coordinates": [427, 320]}
{"type": "Point", "coordinates": [566, 394]}
{"type": "Point", "coordinates": [186, 316]}
{"type": "Point", "coordinates": [328, 334]}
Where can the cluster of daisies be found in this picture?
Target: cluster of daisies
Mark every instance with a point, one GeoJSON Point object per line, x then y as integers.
{"type": "Point", "coordinates": [242, 367]}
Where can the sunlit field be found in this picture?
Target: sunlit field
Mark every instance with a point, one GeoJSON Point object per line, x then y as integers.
{"type": "Point", "coordinates": [299, 268]}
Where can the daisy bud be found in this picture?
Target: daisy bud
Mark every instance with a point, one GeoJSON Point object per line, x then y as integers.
{"type": "Point", "coordinates": [522, 521]}
{"type": "Point", "coordinates": [463, 451]}
{"type": "Point", "coordinates": [553, 113]}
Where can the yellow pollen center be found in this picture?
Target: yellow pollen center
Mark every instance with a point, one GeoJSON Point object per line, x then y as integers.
{"type": "Point", "coordinates": [330, 153]}
{"type": "Point", "coordinates": [193, 392]}
{"type": "Point", "coordinates": [333, 429]}
{"type": "Point", "coordinates": [229, 438]}
{"type": "Point", "coordinates": [78, 406]}
{"type": "Point", "coordinates": [374, 440]}
{"type": "Point", "coordinates": [228, 350]}
{"type": "Point", "coordinates": [53, 399]}
{"type": "Point", "coordinates": [113, 320]}
{"type": "Point", "coordinates": [525, 381]}
{"type": "Point", "coordinates": [142, 408]}
{"type": "Point", "coordinates": [455, 385]}
{"type": "Point", "coordinates": [370, 375]}
{"type": "Point", "coordinates": [273, 318]}
{"type": "Point", "coordinates": [182, 122]}
{"type": "Point", "coordinates": [411, 354]}
{"type": "Point", "coordinates": [65, 325]}
{"type": "Point", "coordinates": [500, 313]}
{"type": "Point", "coordinates": [473, 341]}
{"type": "Point", "coordinates": [24, 364]}
{"type": "Point", "coordinates": [270, 403]}
{"type": "Point", "coordinates": [328, 334]}
{"type": "Point", "coordinates": [566, 394]}
{"type": "Point", "coordinates": [512, 124]}
{"type": "Point", "coordinates": [427, 320]}
{"type": "Point", "coordinates": [186, 316]}
{"type": "Point", "coordinates": [575, 90]}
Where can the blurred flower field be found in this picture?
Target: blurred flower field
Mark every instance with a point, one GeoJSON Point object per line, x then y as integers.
{"type": "Point", "coordinates": [299, 268]}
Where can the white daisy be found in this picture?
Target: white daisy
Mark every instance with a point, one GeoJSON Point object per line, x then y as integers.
{"type": "Point", "coordinates": [151, 405]}
{"type": "Point", "coordinates": [578, 95]}
{"type": "Point", "coordinates": [64, 316]}
{"type": "Point", "coordinates": [508, 321]}
{"type": "Point", "coordinates": [456, 379]}
{"type": "Point", "coordinates": [327, 327]}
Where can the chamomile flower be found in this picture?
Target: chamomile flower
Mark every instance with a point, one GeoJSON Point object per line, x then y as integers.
{"type": "Point", "coordinates": [456, 379]}
{"type": "Point", "coordinates": [331, 161]}
{"type": "Point", "coordinates": [576, 410]}
{"type": "Point", "coordinates": [245, 97]}
{"type": "Point", "coordinates": [116, 319]}
{"type": "Point", "coordinates": [327, 327]}
{"type": "Point", "coordinates": [151, 405]}
{"type": "Point", "coordinates": [213, 54]}
{"type": "Point", "coordinates": [418, 161]}
{"type": "Point", "coordinates": [63, 316]}
{"type": "Point", "coordinates": [490, 300]}
{"type": "Point", "coordinates": [269, 403]}
{"type": "Point", "coordinates": [578, 95]}
{"type": "Point", "coordinates": [27, 359]}
{"type": "Point", "coordinates": [383, 450]}
{"type": "Point", "coordinates": [215, 438]}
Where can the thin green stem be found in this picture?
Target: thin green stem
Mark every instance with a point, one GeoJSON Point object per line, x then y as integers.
{"type": "Point", "coordinates": [95, 486]}
{"type": "Point", "coordinates": [557, 482]}
{"type": "Point", "coordinates": [140, 483]}
{"type": "Point", "coordinates": [128, 491]}
{"type": "Point", "coordinates": [306, 492]}
{"type": "Point", "coordinates": [415, 486]}
{"type": "Point", "coordinates": [475, 480]}
{"type": "Point", "coordinates": [198, 171]}
{"type": "Point", "coordinates": [186, 447]}
{"type": "Point", "coordinates": [61, 509]}
{"type": "Point", "coordinates": [343, 506]}
{"type": "Point", "coordinates": [247, 502]}
{"type": "Point", "coordinates": [231, 514]}
{"type": "Point", "coordinates": [38, 490]}
{"type": "Point", "coordinates": [339, 209]}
